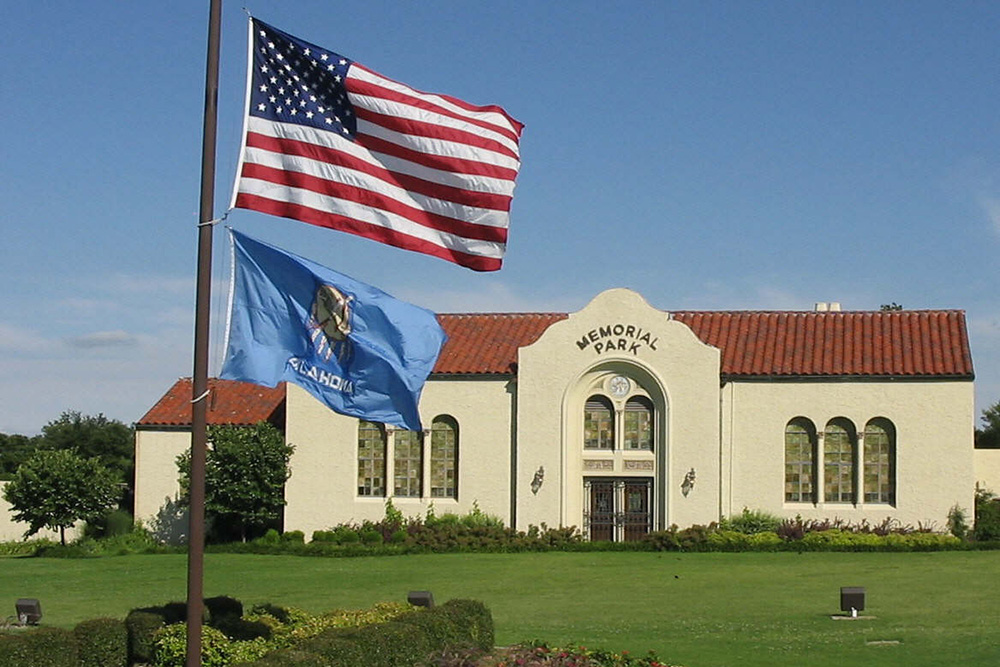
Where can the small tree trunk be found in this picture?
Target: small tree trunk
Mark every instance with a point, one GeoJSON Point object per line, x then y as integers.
{"type": "Point", "coordinates": [62, 535]}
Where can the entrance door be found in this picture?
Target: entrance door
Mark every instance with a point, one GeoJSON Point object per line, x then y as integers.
{"type": "Point", "coordinates": [617, 509]}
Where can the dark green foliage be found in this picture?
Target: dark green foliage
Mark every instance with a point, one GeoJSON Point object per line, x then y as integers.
{"type": "Point", "coordinates": [287, 657]}
{"type": "Point", "coordinates": [223, 606]}
{"type": "Point", "coordinates": [336, 647]}
{"type": "Point", "coordinates": [111, 524]}
{"type": "Point", "coordinates": [240, 629]}
{"type": "Point", "coordinates": [55, 489]}
{"type": "Point", "coordinates": [473, 619]}
{"type": "Point", "coordinates": [272, 610]}
{"type": "Point", "coordinates": [15, 450]}
{"type": "Point", "coordinates": [245, 472]}
{"type": "Point", "coordinates": [751, 522]}
{"type": "Point", "coordinates": [103, 642]}
{"type": "Point", "coordinates": [42, 647]}
{"type": "Point", "coordinates": [142, 626]}
{"type": "Point", "coordinates": [293, 537]}
{"type": "Point", "coordinates": [392, 644]}
{"type": "Point", "coordinates": [438, 624]}
{"type": "Point", "coordinates": [987, 517]}
{"type": "Point", "coordinates": [988, 437]}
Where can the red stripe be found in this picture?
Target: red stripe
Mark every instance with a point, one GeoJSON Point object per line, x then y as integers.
{"type": "Point", "coordinates": [377, 201]}
{"type": "Point", "coordinates": [418, 128]}
{"type": "Point", "coordinates": [440, 162]}
{"type": "Point", "coordinates": [369, 231]}
{"type": "Point", "coordinates": [338, 158]}
{"type": "Point", "coordinates": [367, 88]}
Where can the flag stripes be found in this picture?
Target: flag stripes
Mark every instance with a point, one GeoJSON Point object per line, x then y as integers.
{"type": "Point", "coordinates": [342, 147]}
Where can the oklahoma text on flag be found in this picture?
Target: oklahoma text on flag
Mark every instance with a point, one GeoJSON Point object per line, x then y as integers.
{"type": "Point", "coordinates": [352, 346]}
{"type": "Point", "coordinates": [329, 142]}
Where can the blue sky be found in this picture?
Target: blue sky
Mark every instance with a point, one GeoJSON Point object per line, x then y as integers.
{"type": "Point", "coordinates": [710, 155]}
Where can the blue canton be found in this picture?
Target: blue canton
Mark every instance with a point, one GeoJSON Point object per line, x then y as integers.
{"type": "Point", "coordinates": [298, 82]}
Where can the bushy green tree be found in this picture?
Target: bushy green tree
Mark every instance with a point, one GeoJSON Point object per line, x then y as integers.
{"type": "Point", "coordinates": [15, 450]}
{"type": "Point", "coordinates": [245, 472]}
{"type": "Point", "coordinates": [988, 437]}
{"type": "Point", "coordinates": [55, 489]}
{"type": "Point", "coordinates": [108, 440]}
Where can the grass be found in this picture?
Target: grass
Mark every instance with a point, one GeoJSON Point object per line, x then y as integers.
{"type": "Point", "coordinates": [692, 609]}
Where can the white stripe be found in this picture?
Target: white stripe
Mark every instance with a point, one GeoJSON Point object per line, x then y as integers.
{"type": "Point", "coordinates": [377, 217]}
{"type": "Point", "coordinates": [332, 140]}
{"type": "Point", "coordinates": [432, 146]}
{"type": "Point", "coordinates": [400, 110]}
{"type": "Point", "coordinates": [353, 177]}
{"type": "Point", "coordinates": [492, 117]}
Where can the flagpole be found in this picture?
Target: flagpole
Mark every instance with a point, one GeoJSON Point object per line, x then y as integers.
{"type": "Point", "coordinates": [199, 384]}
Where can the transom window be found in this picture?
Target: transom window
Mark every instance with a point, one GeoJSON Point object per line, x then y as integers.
{"type": "Point", "coordinates": [598, 424]}
{"type": "Point", "coordinates": [638, 423]}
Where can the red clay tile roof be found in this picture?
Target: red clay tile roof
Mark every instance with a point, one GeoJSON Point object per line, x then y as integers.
{"type": "Point", "coordinates": [229, 402]}
{"type": "Point", "coordinates": [487, 343]}
{"type": "Point", "coordinates": [753, 344]}
{"type": "Point", "coordinates": [906, 343]}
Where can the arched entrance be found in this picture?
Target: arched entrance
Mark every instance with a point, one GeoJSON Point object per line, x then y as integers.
{"type": "Point", "coordinates": [616, 442]}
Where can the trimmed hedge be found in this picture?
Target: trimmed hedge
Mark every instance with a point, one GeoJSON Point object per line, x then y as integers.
{"type": "Point", "coordinates": [42, 647]}
{"type": "Point", "coordinates": [103, 642]}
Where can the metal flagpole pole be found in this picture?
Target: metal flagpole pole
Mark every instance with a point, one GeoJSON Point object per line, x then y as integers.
{"type": "Point", "coordinates": [199, 391]}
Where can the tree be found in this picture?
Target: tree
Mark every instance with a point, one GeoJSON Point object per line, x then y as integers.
{"type": "Point", "coordinates": [108, 440]}
{"type": "Point", "coordinates": [889, 307]}
{"type": "Point", "coordinates": [15, 450]}
{"type": "Point", "coordinates": [56, 488]}
{"type": "Point", "coordinates": [246, 468]}
{"type": "Point", "coordinates": [988, 437]}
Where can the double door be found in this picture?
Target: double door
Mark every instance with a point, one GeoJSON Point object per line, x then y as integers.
{"type": "Point", "coordinates": [617, 509]}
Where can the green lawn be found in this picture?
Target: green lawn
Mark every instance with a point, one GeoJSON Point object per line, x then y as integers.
{"type": "Point", "coordinates": [692, 609]}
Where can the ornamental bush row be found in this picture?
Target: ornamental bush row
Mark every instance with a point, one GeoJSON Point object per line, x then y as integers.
{"type": "Point", "coordinates": [101, 642]}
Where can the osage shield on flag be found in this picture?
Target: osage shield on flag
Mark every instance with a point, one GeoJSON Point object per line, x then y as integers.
{"type": "Point", "coordinates": [352, 346]}
{"type": "Point", "coordinates": [332, 143]}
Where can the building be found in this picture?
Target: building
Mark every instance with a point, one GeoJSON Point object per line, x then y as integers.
{"type": "Point", "coordinates": [622, 418]}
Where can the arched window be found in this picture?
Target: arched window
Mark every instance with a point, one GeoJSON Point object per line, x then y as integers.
{"type": "Point", "coordinates": [407, 463]}
{"type": "Point", "coordinates": [638, 424]}
{"type": "Point", "coordinates": [598, 424]}
{"type": "Point", "coordinates": [800, 461]}
{"type": "Point", "coordinates": [839, 455]}
{"type": "Point", "coordinates": [444, 458]}
{"type": "Point", "coordinates": [371, 459]}
{"type": "Point", "coordinates": [880, 462]}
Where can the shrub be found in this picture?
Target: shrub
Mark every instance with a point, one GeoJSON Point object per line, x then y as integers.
{"type": "Point", "coordinates": [42, 647]}
{"type": "Point", "coordinates": [293, 537]}
{"type": "Point", "coordinates": [751, 522]}
{"type": "Point", "coordinates": [324, 536]}
{"type": "Point", "coordinates": [141, 627]}
{"type": "Point", "coordinates": [170, 647]}
{"type": "Point", "coordinates": [285, 657]}
{"type": "Point", "coordinates": [391, 644]}
{"type": "Point", "coordinates": [473, 619]}
{"type": "Point", "coordinates": [987, 516]}
{"type": "Point", "coordinates": [223, 606]}
{"type": "Point", "coordinates": [371, 536]}
{"type": "Point", "coordinates": [958, 522]}
{"type": "Point", "coordinates": [103, 642]}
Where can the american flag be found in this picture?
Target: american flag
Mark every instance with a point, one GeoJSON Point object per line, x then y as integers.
{"type": "Point", "coordinates": [331, 143]}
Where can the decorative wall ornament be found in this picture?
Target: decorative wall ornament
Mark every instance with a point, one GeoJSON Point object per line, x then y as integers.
{"type": "Point", "coordinates": [638, 465]}
{"type": "Point", "coordinates": [536, 481]}
{"type": "Point", "coordinates": [688, 482]}
{"type": "Point", "coordinates": [598, 464]}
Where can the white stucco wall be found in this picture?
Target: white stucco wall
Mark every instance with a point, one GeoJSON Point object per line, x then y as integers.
{"type": "Point", "coordinates": [13, 531]}
{"type": "Point", "coordinates": [618, 332]}
{"type": "Point", "coordinates": [322, 490]}
{"type": "Point", "coordinates": [156, 482]}
{"type": "Point", "coordinates": [934, 435]}
{"type": "Point", "coordinates": [986, 463]}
